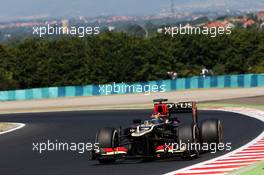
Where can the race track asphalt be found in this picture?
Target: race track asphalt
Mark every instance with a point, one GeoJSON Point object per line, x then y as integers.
{"type": "Point", "coordinates": [17, 157]}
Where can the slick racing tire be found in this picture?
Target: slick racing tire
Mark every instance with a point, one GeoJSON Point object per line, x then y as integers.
{"type": "Point", "coordinates": [188, 134]}
{"type": "Point", "coordinates": [211, 131]}
{"type": "Point", "coordinates": [107, 138]}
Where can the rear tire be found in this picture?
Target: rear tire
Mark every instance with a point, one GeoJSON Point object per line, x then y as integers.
{"type": "Point", "coordinates": [211, 131]}
{"type": "Point", "coordinates": [189, 134]}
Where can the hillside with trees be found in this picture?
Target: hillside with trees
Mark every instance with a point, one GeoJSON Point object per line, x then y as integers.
{"type": "Point", "coordinates": [120, 57]}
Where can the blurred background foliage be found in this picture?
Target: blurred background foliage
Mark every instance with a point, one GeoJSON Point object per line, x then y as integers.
{"type": "Point", "coordinates": [120, 57]}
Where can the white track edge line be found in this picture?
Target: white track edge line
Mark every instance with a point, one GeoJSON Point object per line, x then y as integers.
{"type": "Point", "coordinates": [19, 126]}
{"type": "Point", "coordinates": [230, 153]}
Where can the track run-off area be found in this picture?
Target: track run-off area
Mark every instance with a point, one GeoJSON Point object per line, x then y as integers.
{"type": "Point", "coordinates": [18, 156]}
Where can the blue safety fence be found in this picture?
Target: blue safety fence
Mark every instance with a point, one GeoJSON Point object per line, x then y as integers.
{"type": "Point", "coordinates": [225, 81]}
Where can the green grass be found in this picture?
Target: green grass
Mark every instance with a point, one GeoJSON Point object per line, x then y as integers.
{"type": "Point", "coordinates": [5, 126]}
{"type": "Point", "coordinates": [215, 105]}
{"type": "Point", "coordinates": [255, 169]}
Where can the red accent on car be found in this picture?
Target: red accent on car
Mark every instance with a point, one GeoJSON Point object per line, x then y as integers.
{"type": "Point", "coordinates": [162, 147]}
{"type": "Point", "coordinates": [159, 147]}
{"type": "Point", "coordinates": [115, 149]}
{"type": "Point", "coordinates": [161, 108]}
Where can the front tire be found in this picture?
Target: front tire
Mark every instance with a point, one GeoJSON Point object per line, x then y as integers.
{"type": "Point", "coordinates": [107, 138]}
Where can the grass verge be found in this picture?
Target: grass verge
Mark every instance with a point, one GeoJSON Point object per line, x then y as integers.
{"type": "Point", "coordinates": [6, 126]}
{"type": "Point", "coordinates": [254, 169]}
{"type": "Point", "coordinates": [218, 105]}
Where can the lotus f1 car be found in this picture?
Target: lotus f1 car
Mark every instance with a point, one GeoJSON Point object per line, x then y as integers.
{"type": "Point", "coordinates": [162, 136]}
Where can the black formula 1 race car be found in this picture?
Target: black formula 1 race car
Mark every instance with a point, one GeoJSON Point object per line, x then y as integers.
{"type": "Point", "coordinates": [162, 136]}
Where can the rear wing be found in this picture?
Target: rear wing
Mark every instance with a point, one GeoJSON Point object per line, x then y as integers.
{"type": "Point", "coordinates": [180, 107]}
{"type": "Point", "coordinates": [184, 107]}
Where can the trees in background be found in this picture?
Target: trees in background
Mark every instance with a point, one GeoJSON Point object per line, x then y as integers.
{"type": "Point", "coordinates": [120, 57]}
{"type": "Point", "coordinates": [7, 80]}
